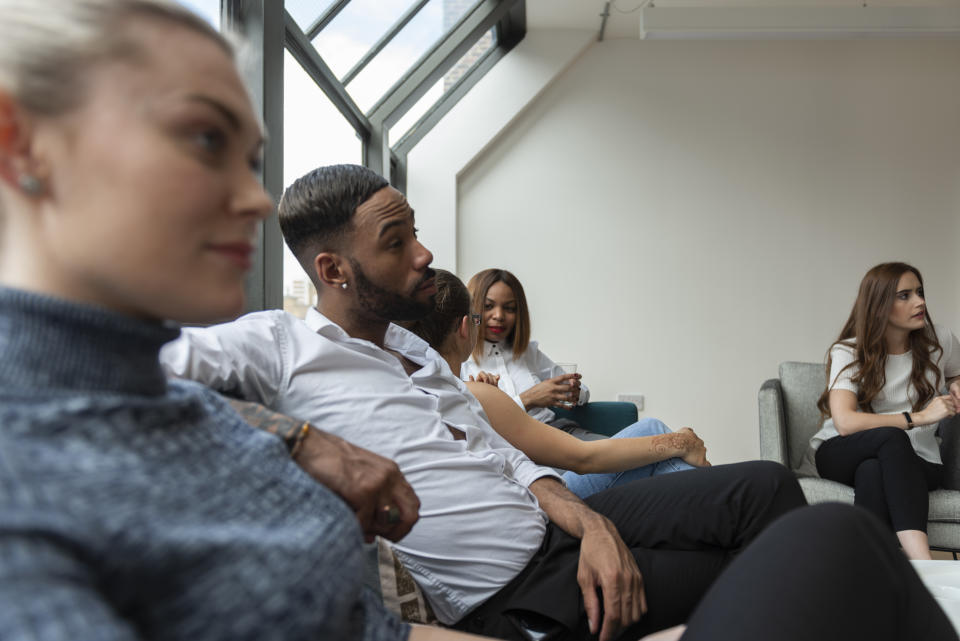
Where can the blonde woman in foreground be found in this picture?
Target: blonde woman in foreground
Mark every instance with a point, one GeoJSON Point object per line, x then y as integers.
{"type": "Point", "coordinates": [131, 507]}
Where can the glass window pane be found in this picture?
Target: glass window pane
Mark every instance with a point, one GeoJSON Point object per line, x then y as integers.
{"type": "Point", "coordinates": [208, 9]}
{"type": "Point", "coordinates": [355, 30]}
{"type": "Point", "coordinates": [413, 41]}
{"type": "Point", "coordinates": [456, 72]}
{"type": "Point", "coordinates": [306, 12]}
{"type": "Point", "coordinates": [314, 134]}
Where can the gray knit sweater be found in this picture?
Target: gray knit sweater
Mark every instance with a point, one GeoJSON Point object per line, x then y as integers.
{"type": "Point", "coordinates": [131, 507]}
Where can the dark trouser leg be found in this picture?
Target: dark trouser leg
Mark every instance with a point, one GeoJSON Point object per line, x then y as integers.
{"type": "Point", "coordinates": [681, 528]}
{"type": "Point", "coordinates": [904, 477]}
{"type": "Point", "coordinates": [722, 507]}
{"type": "Point", "coordinates": [830, 573]}
{"type": "Point", "coordinates": [868, 490]}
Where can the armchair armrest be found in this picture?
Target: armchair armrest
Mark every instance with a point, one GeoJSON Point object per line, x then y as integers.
{"type": "Point", "coordinates": [773, 424]}
{"type": "Point", "coordinates": [602, 417]}
{"type": "Point", "coordinates": [950, 452]}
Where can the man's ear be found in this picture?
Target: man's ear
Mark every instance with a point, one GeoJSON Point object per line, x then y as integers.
{"type": "Point", "coordinates": [331, 269]}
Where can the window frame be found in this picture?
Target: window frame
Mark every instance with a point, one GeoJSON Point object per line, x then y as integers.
{"type": "Point", "coordinates": [269, 30]}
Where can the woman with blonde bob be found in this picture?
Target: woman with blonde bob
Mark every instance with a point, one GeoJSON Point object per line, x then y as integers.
{"type": "Point", "coordinates": [133, 507]}
{"type": "Point", "coordinates": [892, 377]}
{"type": "Point", "coordinates": [505, 355]}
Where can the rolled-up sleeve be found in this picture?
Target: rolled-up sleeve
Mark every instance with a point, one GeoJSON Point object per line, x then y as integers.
{"type": "Point", "coordinates": [245, 358]}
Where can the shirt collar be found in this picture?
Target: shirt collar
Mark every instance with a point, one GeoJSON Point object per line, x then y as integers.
{"type": "Point", "coordinates": [489, 348]}
{"type": "Point", "coordinates": [397, 338]}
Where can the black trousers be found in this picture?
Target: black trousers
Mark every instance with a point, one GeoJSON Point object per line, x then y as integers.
{"type": "Point", "coordinates": [682, 528]}
{"type": "Point", "coordinates": [887, 476]}
{"type": "Point", "coordinates": [830, 572]}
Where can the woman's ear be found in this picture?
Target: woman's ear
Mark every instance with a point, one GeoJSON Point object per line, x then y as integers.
{"type": "Point", "coordinates": [463, 328]}
{"type": "Point", "coordinates": [14, 139]}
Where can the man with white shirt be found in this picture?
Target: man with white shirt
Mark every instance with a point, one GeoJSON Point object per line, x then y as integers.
{"type": "Point", "coordinates": [497, 534]}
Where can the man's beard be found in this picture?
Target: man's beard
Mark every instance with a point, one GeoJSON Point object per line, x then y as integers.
{"type": "Point", "coordinates": [390, 306]}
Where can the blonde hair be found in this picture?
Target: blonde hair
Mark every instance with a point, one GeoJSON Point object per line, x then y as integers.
{"type": "Point", "coordinates": [47, 46]}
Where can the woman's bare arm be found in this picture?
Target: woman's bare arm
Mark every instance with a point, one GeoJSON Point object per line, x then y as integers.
{"type": "Point", "coordinates": [546, 445]}
{"type": "Point", "coordinates": [847, 420]}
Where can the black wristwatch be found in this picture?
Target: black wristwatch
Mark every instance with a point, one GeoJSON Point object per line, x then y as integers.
{"type": "Point", "coordinates": [909, 420]}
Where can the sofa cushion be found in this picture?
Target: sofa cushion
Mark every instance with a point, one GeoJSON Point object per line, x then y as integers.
{"type": "Point", "coordinates": [944, 504]}
{"type": "Point", "coordinates": [401, 594]}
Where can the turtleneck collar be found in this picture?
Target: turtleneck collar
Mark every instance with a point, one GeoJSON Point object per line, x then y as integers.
{"type": "Point", "coordinates": [54, 344]}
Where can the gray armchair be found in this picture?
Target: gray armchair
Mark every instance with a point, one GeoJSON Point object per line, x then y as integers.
{"type": "Point", "coordinates": [789, 418]}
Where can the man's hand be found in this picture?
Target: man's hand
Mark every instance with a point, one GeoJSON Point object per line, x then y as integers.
{"type": "Point", "coordinates": [605, 561]}
{"type": "Point", "coordinates": [372, 485]}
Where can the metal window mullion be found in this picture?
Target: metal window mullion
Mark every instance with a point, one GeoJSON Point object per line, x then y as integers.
{"type": "Point", "coordinates": [326, 18]}
{"type": "Point", "coordinates": [508, 33]}
{"type": "Point", "coordinates": [435, 63]}
{"type": "Point", "coordinates": [261, 23]}
{"type": "Point", "coordinates": [432, 116]}
{"type": "Point", "coordinates": [305, 53]}
{"type": "Point", "coordinates": [382, 42]}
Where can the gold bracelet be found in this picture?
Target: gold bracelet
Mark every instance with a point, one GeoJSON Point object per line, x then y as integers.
{"type": "Point", "coordinates": [301, 437]}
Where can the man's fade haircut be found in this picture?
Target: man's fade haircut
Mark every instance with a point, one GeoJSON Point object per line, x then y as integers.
{"type": "Point", "coordinates": [316, 211]}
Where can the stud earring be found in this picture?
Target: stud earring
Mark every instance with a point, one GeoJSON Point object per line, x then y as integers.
{"type": "Point", "coordinates": [343, 285]}
{"type": "Point", "coordinates": [30, 184]}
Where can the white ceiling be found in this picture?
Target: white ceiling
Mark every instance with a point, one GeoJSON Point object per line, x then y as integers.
{"type": "Point", "coordinates": [624, 20]}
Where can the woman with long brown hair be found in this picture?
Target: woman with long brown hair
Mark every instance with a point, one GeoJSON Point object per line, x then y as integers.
{"type": "Point", "coordinates": [893, 377]}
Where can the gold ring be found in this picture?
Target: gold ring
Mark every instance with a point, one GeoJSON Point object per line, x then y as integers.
{"type": "Point", "coordinates": [391, 513]}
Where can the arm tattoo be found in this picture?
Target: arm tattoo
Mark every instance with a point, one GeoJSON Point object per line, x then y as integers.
{"type": "Point", "coordinates": [261, 418]}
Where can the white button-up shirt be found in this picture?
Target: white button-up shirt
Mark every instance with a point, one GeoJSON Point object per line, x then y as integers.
{"type": "Point", "coordinates": [517, 375]}
{"type": "Point", "coordinates": [479, 523]}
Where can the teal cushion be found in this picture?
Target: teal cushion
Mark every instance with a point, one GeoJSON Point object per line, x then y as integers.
{"type": "Point", "coordinates": [602, 417]}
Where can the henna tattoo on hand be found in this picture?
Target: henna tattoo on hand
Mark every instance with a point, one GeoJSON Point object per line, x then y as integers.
{"type": "Point", "coordinates": [667, 443]}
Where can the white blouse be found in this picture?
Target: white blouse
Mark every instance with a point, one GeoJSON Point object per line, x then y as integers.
{"type": "Point", "coordinates": [898, 394]}
{"type": "Point", "coordinates": [517, 375]}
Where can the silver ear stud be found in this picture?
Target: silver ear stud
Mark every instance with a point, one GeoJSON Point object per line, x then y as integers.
{"type": "Point", "coordinates": [30, 184]}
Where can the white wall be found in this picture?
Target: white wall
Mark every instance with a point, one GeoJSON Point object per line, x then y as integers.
{"type": "Point", "coordinates": [686, 215]}
{"type": "Point", "coordinates": [499, 97]}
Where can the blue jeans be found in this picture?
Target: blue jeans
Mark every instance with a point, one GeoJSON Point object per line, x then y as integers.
{"type": "Point", "coordinates": [583, 485]}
